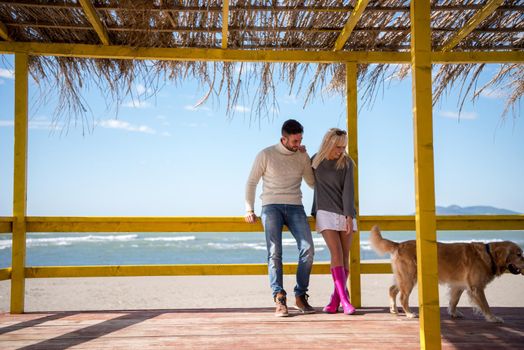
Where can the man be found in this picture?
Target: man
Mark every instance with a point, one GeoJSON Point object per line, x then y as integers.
{"type": "Point", "coordinates": [282, 168]}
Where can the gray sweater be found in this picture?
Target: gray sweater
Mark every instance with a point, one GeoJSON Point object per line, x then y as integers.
{"type": "Point", "coordinates": [334, 189]}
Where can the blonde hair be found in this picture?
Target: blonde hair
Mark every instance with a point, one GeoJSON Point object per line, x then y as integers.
{"type": "Point", "coordinates": [333, 137]}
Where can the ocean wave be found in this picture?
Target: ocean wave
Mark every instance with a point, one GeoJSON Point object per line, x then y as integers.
{"type": "Point", "coordinates": [171, 239]}
{"type": "Point", "coordinates": [81, 239]}
{"type": "Point", "coordinates": [224, 246]}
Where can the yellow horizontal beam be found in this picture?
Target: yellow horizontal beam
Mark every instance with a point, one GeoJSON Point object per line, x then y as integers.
{"type": "Point", "coordinates": [357, 12]}
{"type": "Point", "coordinates": [237, 224]}
{"type": "Point", "coordinates": [180, 270]}
{"type": "Point", "coordinates": [229, 55]}
{"type": "Point", "coordinates": [6, 224]}
{"type": "Point", "coordinates": [471, 24]}
{"type": "Point", "coordinates": [477, 57]}
{"type": "Point", "coordinates": [5, 274]}
{"type": "Point", "coordinates": [94, 19]}
{"type": "Point", "coordinates": [190, 54]}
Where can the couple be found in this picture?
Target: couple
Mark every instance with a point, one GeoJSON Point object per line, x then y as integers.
{"type": "Point", "coordinates": [330, 173]}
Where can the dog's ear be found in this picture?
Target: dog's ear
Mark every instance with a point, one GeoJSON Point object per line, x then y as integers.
{"type": "Point", "coordinates": [500, 252]}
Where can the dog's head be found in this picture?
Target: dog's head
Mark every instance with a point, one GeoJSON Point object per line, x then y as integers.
{"type": "Point", "coordinates": [508, 255]}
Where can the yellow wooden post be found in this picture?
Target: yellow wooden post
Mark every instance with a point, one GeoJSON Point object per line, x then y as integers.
{"type": "Point", "coordinates": [20, 185]}
{"type": "Point", "coordinates": [351, 106]}
{"type": "Point", "coordinates": [425, 219]}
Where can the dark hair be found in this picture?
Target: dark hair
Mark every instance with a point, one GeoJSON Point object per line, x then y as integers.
{"type": "Point", "coordinates": [292, 127]}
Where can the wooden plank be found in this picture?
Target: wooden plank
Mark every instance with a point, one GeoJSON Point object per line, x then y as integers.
{"type": "Point", "coordinates": [225, 22]}
{"type": "Point", "coordinates": [237, 224]}
{"type": "Point", "coordinates": [252, 328]}
{"type": "Point", "coordinates": [182, 270]}
{"type": "Point", "coordinates": [4, 34]}
{"type": "Point", "coordinates": [425, 218]}
{"type": "Point", "coordinates": [5, 274]}
{"type": "Point", "coordinates": [200, 54]}
{"type": "Point", "coordinates": [352, 129]}
{"type": "Point", "coordinates": [19, 184]}
{"type": "Point", "coordinates": [471, 24]}
{"type": "Point", "coordinates": [356, 13]}
{"type": "Point", "coordinates": [94, 19]}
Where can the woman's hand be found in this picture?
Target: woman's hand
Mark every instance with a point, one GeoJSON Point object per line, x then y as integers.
{"type": "Point", "coordinates": [349, 225]}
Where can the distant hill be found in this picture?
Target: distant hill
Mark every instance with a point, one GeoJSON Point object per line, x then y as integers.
{"type": "Point", "coordinates": [474, 210]}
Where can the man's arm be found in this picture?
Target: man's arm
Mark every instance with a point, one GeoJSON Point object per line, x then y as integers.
{"type": "Point", "coordinates": [251, 186]}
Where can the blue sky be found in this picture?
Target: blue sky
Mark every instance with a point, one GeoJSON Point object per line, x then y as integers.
{"type": "Point", "coordinates": [163, 157]}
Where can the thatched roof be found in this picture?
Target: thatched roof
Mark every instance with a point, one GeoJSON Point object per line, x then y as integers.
{"type": "Point", "coordinates": [282, 25]}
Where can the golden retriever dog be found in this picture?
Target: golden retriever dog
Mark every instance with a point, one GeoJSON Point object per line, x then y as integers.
{"type": "Point", "coordinates": [462, 266]}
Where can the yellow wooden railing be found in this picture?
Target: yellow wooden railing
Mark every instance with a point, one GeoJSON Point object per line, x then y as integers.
{"type": "Point", "coordinates": [220, 224]}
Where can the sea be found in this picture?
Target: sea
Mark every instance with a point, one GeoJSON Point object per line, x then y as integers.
{"type": "Point", "coordinates": [76, 249]}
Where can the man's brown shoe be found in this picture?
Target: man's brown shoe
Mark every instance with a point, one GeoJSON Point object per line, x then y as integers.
{"type": "Point", "coordinates": [302, 305]}
{"type": "Point", "coordinates": [280, 301]}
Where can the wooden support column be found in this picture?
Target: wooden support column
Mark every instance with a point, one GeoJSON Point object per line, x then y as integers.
{"type": "Point", "coordinates": [425, 219]}
{"type": "Point", "coordinates": [20, 185]}
{"type": "Point", "coordinates": [352, 127]}
{"type": "Point", "coordinates": [225, 23]}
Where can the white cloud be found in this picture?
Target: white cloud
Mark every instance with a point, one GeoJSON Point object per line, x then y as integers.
{"type": "Point", "coordinates": [122, 125]}
{"type": "Point", "coordinates": [37, 124]}
{"type": "Point", "coordinates": [197, 108]}
{"type": "Point", "coordinates": [494, 94]}
{"type": "Point", "coordinates": [140, 88]}
{"type": "Point", "coordinates": [7, 73]}
{"type": "Point", "coordinates": [166, 134]}
{"type": "Point", "coordinates": [456, 115]}
{"type": "Point", "coordinates": [242, 109]}
{"type": "Point", "coordinates": [136, 104]}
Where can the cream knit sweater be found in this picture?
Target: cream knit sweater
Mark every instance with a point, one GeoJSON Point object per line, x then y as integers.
{"type": "Point", "coordinates": [281, 171]}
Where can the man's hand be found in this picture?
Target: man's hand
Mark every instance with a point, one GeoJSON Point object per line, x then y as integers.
{"type": "Point", "coordinates": [302, 148]}
{"type": "Point", "coordinates": [250, 217]}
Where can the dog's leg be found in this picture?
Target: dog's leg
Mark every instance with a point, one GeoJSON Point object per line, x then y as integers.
{"type": "Point", "coordinates": [479, 298]}
{"type": "Point", "coordinates": [393, 291]}
{"type": "Point", "coordinates": [405, 291]}
{"type": "Point", "coordinates": [454, 297]}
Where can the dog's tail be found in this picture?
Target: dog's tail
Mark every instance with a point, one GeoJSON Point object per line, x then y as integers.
{"type": "Point", "coordinates": [379, 244]}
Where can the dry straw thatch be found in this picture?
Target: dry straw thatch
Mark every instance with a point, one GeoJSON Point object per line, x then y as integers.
{"type": "Point", "coordinates": [254, 24]}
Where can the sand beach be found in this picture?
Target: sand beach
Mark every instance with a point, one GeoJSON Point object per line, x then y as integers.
{"type": "Point", "coordinates": [208, 292]}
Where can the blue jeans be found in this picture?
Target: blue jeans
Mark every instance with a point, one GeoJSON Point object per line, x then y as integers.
{"type": "Point", "coordinates": [274, 217]}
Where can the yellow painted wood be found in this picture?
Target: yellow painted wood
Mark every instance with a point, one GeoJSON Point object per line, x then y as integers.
{"type": "Point", "coordinates": [6, 225]}
{"type": "Point", "coordinates": [188, 54]}
{"type": "Point", "coordinates": [225, 22]}
{"type": "Point", "coordinates": [20, 185]}
{"type": "Point", "coordinates": [425, 218]}
{"type": "Point", "coordinates": [357, 12]}
{"type": "Point", "coordinates": [352, 128]}
{"type": "Point", "coordinates": [478, 57]}
{"type": "Point", "coordinates": [5, 274]}
{"type": "Point", "coordinates": [375, 268]}
{"type": "Point", "coordinates": [237, 224]}
{"type": "Point", "coordinates": [95, 21]}
{"type": "Point", "coordinates": [3, 32]}
{"type": "Point", "coordinates": [319, 268]}
{"type": "Point", "coordinates": [200, 54]}
{"type": "Point", "coordinates": [471, 24]}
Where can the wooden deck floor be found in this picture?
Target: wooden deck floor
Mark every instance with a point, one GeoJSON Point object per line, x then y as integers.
{"type": "Point", "coordinates": [370, 328]}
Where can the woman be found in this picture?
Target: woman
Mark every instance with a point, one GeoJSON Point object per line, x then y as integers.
{"type": "Point", "coordinates": [334, 209]}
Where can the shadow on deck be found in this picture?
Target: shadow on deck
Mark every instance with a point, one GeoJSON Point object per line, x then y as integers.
{"type": "Point", "coordinates": [254, 328]}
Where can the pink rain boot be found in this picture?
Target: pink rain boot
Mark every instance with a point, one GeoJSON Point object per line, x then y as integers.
{"type": "Point", "coordinates": [339, 275]}
{"type": "Point", "coordinates": [334, 301]}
